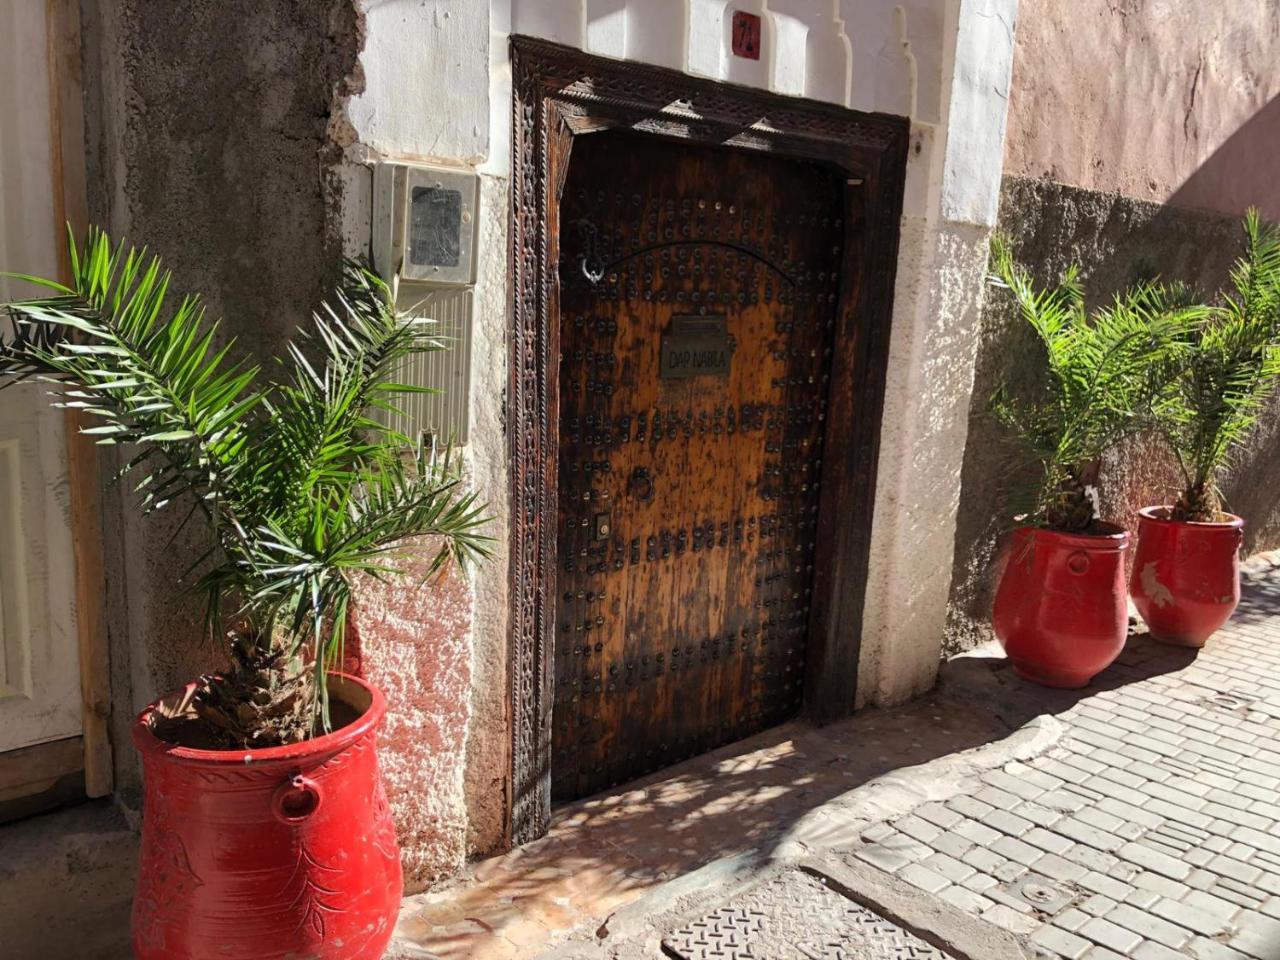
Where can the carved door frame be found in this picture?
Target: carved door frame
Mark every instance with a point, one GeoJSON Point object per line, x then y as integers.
{"type": "Point", "coordinates": [561, 93]}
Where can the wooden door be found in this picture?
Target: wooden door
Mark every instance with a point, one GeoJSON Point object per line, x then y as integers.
{"type": "Point", "coordinates": [698, 295]}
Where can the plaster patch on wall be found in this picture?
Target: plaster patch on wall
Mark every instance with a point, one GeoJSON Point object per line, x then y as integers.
{"type": "Point", "coordinates": [937, 306]}
{"type": "Point", "coordinates": [489, 733]}
{"type": "Point", "coordinates": [415, 645]}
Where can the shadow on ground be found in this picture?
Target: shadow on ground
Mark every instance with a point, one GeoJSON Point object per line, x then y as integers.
{"type": "Point", "coordinates": [606, 851]}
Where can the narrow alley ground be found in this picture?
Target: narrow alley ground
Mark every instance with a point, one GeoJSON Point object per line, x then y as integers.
{"type": "Point", "coordinates": [1139, 818]}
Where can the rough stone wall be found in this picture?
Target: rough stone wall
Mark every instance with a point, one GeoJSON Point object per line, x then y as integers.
{"type": "Point", "coordinates": [1117, 240]}
{"type": "Point", "coordinates": [213, 128]}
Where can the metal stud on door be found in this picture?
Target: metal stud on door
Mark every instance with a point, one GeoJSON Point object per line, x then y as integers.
{"type": "Point", "coordinates": [697, 293]}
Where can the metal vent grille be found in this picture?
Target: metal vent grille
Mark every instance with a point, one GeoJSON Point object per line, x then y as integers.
{"type": "Point", "coordinates": [444, 415]}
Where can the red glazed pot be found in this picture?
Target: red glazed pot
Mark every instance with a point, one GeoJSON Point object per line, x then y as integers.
{"type": "Point", "coordinates": [1186, 576]}
{"type": "Point", "coordinates": [285, 852]}
{"type": "Point", "coordinates": [1060, 609]}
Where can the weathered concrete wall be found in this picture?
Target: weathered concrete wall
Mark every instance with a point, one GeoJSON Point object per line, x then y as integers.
{"type": "Point", "coordinates": [1117, 240]}
{"type": "Point", "coordinates": [211, 139]}
{"type": "Point", "coordinates": [1155, 99]}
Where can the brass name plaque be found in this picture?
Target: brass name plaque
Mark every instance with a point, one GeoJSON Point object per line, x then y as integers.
{"type": "Point", "coordinates": [696, 347]}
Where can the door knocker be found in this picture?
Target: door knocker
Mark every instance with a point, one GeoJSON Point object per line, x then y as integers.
{"type": "Point", "coordinates": [591, 262]}
{"type": "Point", "coordinates": [640, 485]}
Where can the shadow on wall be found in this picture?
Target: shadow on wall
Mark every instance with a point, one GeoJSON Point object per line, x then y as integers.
{"type": "Point", "coordinates": [1241, 173]}
{"type": "Point", "coordinates": [1117, 240]}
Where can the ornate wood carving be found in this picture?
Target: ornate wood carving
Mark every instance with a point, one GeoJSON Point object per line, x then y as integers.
{"type": "Point", "coordinates": [560, 93]}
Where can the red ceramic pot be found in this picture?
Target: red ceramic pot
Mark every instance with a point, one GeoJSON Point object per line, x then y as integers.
{"type": "Point", "coordinates": [1186, 576]}
{"type": "Point", "coordinates": [286, 852]}
{"type": "Point", "coordinates": [1060, 609]}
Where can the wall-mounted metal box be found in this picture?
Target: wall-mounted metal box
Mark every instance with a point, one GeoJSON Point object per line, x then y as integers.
{"type": "Point", "coordinates": [424, 223]}
{"type": "Point", "coordinates": [424, 244]}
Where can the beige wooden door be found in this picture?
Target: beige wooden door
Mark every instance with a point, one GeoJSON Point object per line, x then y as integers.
{"type": "Point", "coordinates": [39, 660]}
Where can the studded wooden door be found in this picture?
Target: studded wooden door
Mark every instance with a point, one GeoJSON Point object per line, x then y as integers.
{"type": "Point", "coordinates": [698, 292]}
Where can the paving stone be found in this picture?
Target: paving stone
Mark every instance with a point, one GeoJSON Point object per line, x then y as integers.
{"type": "Point", "coordinates": [1201, 879]}
{"type": "Point", "coordinates": [1158, 883]}
{"type": "Point", "coordinates": [1002, 916]}
{"type": "Point", "coordinates": [1107, 934]}
{"type": "Point", "coordinates": [1097, 905]}
{"type": "Point", "coordinates": [1102, 953]}
{"type": "Point", "coordinates": [981, 858]}
{"type": "Point", "coordinates": [1091, 858]}
{"type": "Point", "coordinates": [918, 829]}
{"type": "Point", "coordinates": [1146, 857]}
{"type": "Point", "coordinates": [976, 832]}
{"type": "Point", "coordinates": [952, 844]}
{"type": "Point", "coordinates": [1099, 818]}
{"type": "Point", "coordinates": [970, 807]}
{"type": "Point", "coordinates": [1057, 868]}
{"type": "Point", "coordinates": [1033, 775]}
{"type": "Point", "coordinates": [997, 799]}
{"type": "Point", "coordinates": [1063, 800]}
{"type": "Point", "coordinates": [1090, 835]}
{"type": "Point", "coordinates": [1216, 907]}
{"type": "Point", "coordinates": [1071, 919]}
{"type": "Point", "coordinates": [1046, 840]}
{"type": "Point", "coordinates": [1007, 823]}
{"type": "Point", "coordinates": [965, 899]}
{"type": "Point", "coordinates": [1018, 786]}
{"type": "Point", "coordinates": [1101, 883]}
{"type": "Point", "coordinates": [1149, 927]}
{"type": "Point", "coordinates": [1188, 916]}
{"type": "Point", "coordinates": [980, 882]}
{"type": "Point", "coordinates": [1060, 942]}
{"type": "Point", "coordinates": [889, 859]}
{"type": "Point", "coordinates": [923, 877]}
{"type": "Point", "coordinates": [1016, 850]}
{"type": "Point", "coordinates": [1124, 872]}
{"type": "Point", "coordinates": [1156, 951]}
{"type": "Point", "coordinates": [1225, 866]}
{"type": "Point", "coordinates": [948, 867]}
{"type": "Point", "coordinates": [1142, 899]}
{"type": "Point", "coordinates": [1241, 894]}
{"type": "Point", "coordinates": [938, 815]}
{"type": "Point", "coordinates": [1178, 812]}
{"type": "Point", "coordinates": [1204, 949]}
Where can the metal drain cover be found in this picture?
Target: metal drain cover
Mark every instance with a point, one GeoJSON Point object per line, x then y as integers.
{"type": "Point", "coordinates": [1041, 892]}
{"type": "Point", "coordinates": [796, 917]}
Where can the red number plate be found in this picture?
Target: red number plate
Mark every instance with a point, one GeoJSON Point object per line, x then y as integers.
{"type": "Point", "coordinates": [746, 35]}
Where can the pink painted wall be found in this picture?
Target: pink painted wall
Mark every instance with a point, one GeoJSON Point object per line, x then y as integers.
{"type": "Point", "coordinates": [414, 644]}
{"type": "Point", "coordinates": [1162, 100]}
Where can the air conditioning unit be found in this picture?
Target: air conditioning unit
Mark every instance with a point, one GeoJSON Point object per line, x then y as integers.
{"type": "Point", "coordinates": [424, 238]}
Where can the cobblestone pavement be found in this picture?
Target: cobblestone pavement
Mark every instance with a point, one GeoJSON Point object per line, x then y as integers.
{"type": "Point", "coordinates": [1151, 831]}
{"type": "Point", "coordinates": [1147, 828]}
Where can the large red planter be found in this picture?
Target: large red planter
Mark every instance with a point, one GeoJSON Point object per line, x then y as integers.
{"type": "Point", "coordinates": [1186, 576]}
{"type": "Point", "coordinates": [286, 852]}
{"type": "Point", "coordinates": [1060, 609]}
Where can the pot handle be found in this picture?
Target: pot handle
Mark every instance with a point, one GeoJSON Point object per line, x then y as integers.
{"type": "Point", "coordinates": [296, 800]}
{"type": "Point", "coordinates": [1078, 563]}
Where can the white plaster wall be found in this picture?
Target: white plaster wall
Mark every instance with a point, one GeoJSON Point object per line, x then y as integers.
{"type": "Point", "coordinates": [438, 86]}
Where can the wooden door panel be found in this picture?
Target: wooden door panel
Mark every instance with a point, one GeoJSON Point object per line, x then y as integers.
{"type": "Point", "coordinates": [687, 504]}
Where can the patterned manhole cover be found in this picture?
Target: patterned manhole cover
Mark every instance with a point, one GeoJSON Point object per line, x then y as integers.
{"type": "Point", "coordinates": [796, 917]}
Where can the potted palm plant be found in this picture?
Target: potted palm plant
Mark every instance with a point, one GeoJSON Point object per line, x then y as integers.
{"type": "Point", "coordinates": [1060, 606]}
{"type": "Point", "coordinates": [266, 831]}
{"type": "Point", "coordinates": [1186, 575]}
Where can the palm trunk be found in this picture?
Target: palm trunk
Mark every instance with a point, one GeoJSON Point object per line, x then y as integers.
{"type": "Point", "coordinates": [1074, 507]}
{"type": "Point", "coordinates": [264, 700]}
{"type": "Point", "coordinates": [1198, 504]}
